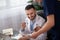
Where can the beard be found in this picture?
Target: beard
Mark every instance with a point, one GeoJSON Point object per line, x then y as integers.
{"type": "Point", "coordinates": [32, 18]}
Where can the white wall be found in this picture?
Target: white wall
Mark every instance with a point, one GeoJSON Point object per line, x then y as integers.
{"type": "Point", "coordinates": [12, 16]}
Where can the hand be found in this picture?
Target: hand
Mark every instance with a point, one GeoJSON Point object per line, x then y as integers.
{"type": "Point", "coordinates": [37, 28]}
{"type": "Point", "coordinates": [34, 35]}
{"type": "Point", "coordinates": [24, 38]}
{"type": "Point", "coordinates": [23, 25]}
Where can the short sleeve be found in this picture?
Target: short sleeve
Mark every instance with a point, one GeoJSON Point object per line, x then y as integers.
{"type": "Point", "coordinates": [39, 22]}
{"type": "Point", "coordinates": [49, 7]}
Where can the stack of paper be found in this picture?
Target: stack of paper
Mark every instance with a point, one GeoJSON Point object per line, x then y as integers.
{"type": "Point", "coordinates": [8, 31]}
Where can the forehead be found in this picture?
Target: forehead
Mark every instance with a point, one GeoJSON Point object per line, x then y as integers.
{"type": "Point", "coordinates": [30, 10]}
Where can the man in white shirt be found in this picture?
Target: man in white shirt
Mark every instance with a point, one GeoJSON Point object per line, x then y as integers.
{"type": "Point", "coordinates": [32, 23]}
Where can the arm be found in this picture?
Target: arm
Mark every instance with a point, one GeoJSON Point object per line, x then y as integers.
{"type": "Point", "coordinates": [47, 26]}
{"type": "Point", "coordinates": [23, 25]}
{"type": "Point", "coordinates": [49, 9]}
{"type": "Point", "coordinates": [22, 29]}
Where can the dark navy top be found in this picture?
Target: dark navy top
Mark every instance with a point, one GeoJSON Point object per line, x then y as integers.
{"type": "Point", "coordinates": [49, 7]}
{"type": "Point", "coordinates": [52, 7]}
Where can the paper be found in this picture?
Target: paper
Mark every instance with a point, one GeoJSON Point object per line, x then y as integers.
{"type": "Point", "coordinates": [8, 31]}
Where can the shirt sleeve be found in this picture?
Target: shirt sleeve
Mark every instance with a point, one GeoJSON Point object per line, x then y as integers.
{"type": "Point", "coordinates": [49, 7]}
{"type": "Point", "coordinates": [39, 22]}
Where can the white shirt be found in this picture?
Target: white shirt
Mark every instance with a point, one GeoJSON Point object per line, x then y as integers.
{"type": "Point", "coordinates": [38, 21]}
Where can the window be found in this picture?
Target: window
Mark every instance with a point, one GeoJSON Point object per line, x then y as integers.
{"type": "Point", "coordinates": [12, 3]}
{"type": "Point", "coordinates": [2, 3]}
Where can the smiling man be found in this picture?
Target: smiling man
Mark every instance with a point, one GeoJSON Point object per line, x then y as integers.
{"type": "Point", "coordinates": [32, 23]}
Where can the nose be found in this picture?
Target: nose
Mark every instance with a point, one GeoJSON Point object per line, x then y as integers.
{"type": "Point", "coordinates": [29, 15]}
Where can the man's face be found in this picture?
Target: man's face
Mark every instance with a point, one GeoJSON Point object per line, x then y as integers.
{"type": "Point", "coordinates": [31, 13]}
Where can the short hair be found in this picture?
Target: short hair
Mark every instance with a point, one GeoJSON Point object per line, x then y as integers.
{"type": "Point", "coordinates": [29, 7]}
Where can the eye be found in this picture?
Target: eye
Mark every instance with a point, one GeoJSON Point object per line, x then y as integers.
{"type": "Point", "coordinates": [31, 13]}
{"type": "Point", "coordinates": [27, 14]}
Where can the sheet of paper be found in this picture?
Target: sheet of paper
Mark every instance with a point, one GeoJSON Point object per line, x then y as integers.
{"type": "Point", "coordinates": [8, 31]}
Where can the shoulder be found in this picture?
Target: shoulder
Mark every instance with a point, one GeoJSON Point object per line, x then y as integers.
{"type": "Point", "coordinates": [40, 21]}
{"type": "Point", "coordinates": [40, 18]}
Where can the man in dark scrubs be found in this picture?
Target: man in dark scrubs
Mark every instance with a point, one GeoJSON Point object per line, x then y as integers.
{"type": "Point", "coordinates": [52, 14]}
